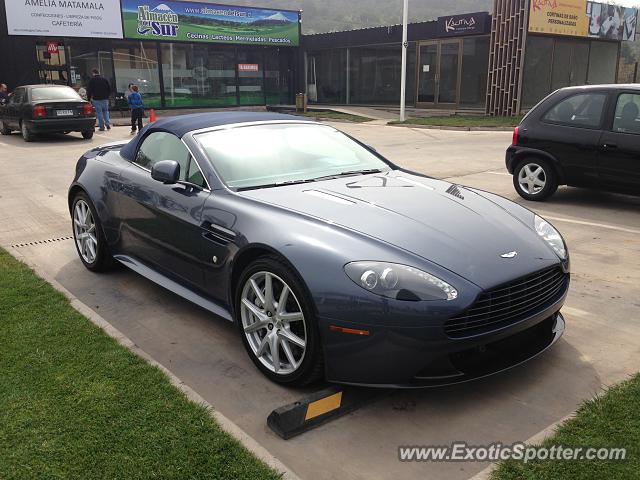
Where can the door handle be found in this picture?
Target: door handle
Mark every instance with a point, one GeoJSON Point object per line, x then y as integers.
{"type": "Point", "coordinates": [609, 146]}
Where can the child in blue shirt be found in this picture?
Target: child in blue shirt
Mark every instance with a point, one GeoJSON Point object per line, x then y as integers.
{"type": "Point", "coordinates": [137, 108]}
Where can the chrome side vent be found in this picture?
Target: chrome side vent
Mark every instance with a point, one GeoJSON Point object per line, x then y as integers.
{"type": "Point", "coordinates": [455, 191]}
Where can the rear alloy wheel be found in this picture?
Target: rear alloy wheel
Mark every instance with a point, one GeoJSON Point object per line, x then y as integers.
{"type": "Point", "coordinates": [4, 130]}
{"type": "Point", "coordinates": [535, 179]}
{"type": "Point", "coordinates": [87, 134]}
{"type": "Point", "coordinates": [87, 233]}
{"type": "Point", "coordinates": [277, 325]}
{"type": "Point", "coordinates": [27, 136]}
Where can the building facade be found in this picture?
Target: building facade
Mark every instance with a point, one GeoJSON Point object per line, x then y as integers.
{"type": "Point", "coordinates": [180, 54]}
{"type": "Point", "coordinates": [502, 63]}
{"type": "Point", "coordinates": [201, 54]}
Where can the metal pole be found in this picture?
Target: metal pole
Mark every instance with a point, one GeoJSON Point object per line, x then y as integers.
{"type": "Point", "coordinates": [403, 73]}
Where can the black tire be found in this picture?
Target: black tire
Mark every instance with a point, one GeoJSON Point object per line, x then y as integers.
{"type": "Point", "coordinates": [103, 260]}
{"type": "Point", "coordinates": [27, 134]}
{"type": "Point", "coordinates": [311, 367]}
{"type": "Point", "coordinates": [4, 130]}
{"type": "Point", "coordinates": [541, 171]}
{"type": "Point", "coordinates": [87, 134]}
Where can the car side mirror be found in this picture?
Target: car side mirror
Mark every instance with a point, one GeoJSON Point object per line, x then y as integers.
{"type": "Point", "coordinates": [166, 171]}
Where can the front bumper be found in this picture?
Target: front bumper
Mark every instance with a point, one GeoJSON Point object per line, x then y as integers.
{"type": "Point", "coordinates": [398, 357]}
{"type": "Point", "coordinates": [50, 125]}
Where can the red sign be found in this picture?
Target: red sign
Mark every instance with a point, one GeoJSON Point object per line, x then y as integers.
{"type": "Point", "coordinates": [248, 67]}
{"type": "Point", "coordinates": [52, 47]}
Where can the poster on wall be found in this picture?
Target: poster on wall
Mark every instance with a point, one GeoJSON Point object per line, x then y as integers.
{"type": "Point", "coordinates": [208, 22]}
{"type": "Point", "coordinates": [64, 18]}
{"type": "Point", "coordinates": [559, 17]}
{"type": "Point", "coordinates": [611, 21]}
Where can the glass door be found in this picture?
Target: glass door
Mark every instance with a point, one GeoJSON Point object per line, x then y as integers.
{"type": "Point", "coordinates": [448, 74]}
{"type": "Point", "coordinates": [427, 73]}
{"type": "Point", "coordinates": [439, 74]}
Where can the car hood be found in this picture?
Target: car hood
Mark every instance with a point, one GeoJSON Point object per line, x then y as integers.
{"type": "Point", "coordinates": [457, 228]}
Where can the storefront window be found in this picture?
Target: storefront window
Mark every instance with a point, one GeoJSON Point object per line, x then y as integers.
{"type": "Point", "coordinates": [251, 76]}
{"type": "Point", "coordinates": [84, 56]}
{"type": "Point", "coordinates": [537, 70]}
{"type": "Point", "coordinates": [198, 75]}
{"type": "Point", "coordinates": [475, 65]}
{"type": "Point", "coordinates": [278, 76]}
{"type": "Point", "coordinates": [137, 63]}
{"type": "Point", "coordinates": [603, 62]}
{"type": "Point", "coordinates": [328, 78]}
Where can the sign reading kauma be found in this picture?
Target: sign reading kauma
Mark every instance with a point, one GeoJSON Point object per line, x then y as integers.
{"type": "Point", "coordinates": [64, 18]}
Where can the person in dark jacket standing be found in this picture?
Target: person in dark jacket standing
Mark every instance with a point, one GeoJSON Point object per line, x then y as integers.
{"type": "Point", "coordinates": [98, 92]}
{"type": "Point", "coordinates": [137, 108]}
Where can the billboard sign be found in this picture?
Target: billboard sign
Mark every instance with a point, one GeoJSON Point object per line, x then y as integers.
{"type": "Point", "coordinates": [559, 17]}
{"type": "Point", "coordinates": [64, 18]}
{"type": "Point", "coordinates": [209, 23]}
{"type": "Point", "coordinates": [611, 21]}
{"type": "Point", "coordinates": [467, 24]}
{"type": "Point", "coordinates": [582, 18]}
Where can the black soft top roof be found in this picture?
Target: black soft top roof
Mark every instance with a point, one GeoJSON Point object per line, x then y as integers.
{"type": "Point", "coordinates": [183, 124]}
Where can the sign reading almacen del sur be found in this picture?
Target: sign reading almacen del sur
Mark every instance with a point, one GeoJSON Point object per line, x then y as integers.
{"type": "Point", "coordinates": [64, 18]}
{"type": "Point", "coordinates": [208, 22]}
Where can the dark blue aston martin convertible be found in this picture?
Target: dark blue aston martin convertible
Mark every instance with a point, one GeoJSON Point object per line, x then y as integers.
{"type": "Point", "coordinates": [332, 260]}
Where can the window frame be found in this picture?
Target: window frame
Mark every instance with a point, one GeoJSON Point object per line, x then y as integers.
{"type": "Point", "coordinates": [192, 157]}
{"type": "Point", "coordinates": [18, 90]}
{"type": "Point", "coordinates": [603, 115]}
{"type": "Point", "coordinates": [614, 107]}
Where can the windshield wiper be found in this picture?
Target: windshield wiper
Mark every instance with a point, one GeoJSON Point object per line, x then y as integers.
{"type": "Point", "coordinates": [309, 180]}
{"type": "Point", "coordinates": [347, 173]}
{"type": "Point", "coordinates": [277, 184]}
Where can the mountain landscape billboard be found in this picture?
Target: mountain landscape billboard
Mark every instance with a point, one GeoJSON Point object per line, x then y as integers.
{"type": "Point", "coordinates": [209, 23]}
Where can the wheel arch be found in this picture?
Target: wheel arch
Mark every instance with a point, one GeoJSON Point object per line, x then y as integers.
{"type": "Point", "coordinates": [531, 153]}
{"type": "Point", "coordinates": [247, 255]}
{"type": "Point", "coordinates": [74, 190]}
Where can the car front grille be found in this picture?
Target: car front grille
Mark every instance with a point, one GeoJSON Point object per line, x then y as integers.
{"type": "Point", "coordinates": [509, 303]}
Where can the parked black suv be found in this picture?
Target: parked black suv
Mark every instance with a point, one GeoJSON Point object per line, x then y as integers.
{"type": "Point", "coordinates": [580, 136]}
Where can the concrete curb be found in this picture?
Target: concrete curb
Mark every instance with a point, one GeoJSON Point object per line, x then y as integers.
{"type": "Point", "coordinates": [458, 129]}
{"type": "Point", "coordinates": [536, 439]}
{"type": "Point", "coordinates": [225, 423]}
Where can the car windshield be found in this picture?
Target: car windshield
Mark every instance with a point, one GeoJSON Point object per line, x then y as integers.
{"type": "Point", "coordinates": [270, 155]}
{"type": "Point", "coordinates": [54, 93]}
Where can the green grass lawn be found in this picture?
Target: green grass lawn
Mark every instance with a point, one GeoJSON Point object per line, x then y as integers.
{"type": "Point", "coordinates": [331, 115]}
{"type": "Point", "coordinates": [611, 420]}
{"type": "Point", "coordinates": [76, 404]}
{"type": "Point", "coordinates": [463, 121]}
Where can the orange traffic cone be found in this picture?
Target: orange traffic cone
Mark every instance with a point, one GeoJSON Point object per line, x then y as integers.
{"type": "Point", "coordinates": [152, 115]}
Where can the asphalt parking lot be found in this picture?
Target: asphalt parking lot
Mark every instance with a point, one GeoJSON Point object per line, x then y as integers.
{"type": "Point", "coordinates": [600, 346]}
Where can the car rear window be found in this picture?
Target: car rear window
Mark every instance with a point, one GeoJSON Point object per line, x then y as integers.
{"type": "Point", "coordinates": [582, 110]}
{"type": "Point", "coordinates": [54, 93]}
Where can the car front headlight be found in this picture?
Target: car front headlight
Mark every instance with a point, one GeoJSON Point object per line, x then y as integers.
{"type": "Point", "coordinates": [400, 282]}
{"type": "Point", "coordinates": [550, 235]}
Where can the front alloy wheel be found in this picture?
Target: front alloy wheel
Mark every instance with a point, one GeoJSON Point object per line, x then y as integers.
{"type": "Point", "coordinates": [276, 325]}
{"type": "Point", "coordinates": [87, 234]}
{"type": "Point", "coordinates": [84, 230]}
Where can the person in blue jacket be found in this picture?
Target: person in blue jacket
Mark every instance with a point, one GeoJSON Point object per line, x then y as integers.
{"type": "Point", "coordinates": [137, 108]}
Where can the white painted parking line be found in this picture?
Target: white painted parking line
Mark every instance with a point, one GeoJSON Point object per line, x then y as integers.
{"type": "Point", "coordinates": [590, 224]}
{"type": "Point", "coordinates": [575, 312]}
{"type": "Point", "coordinates": [498, 173]}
